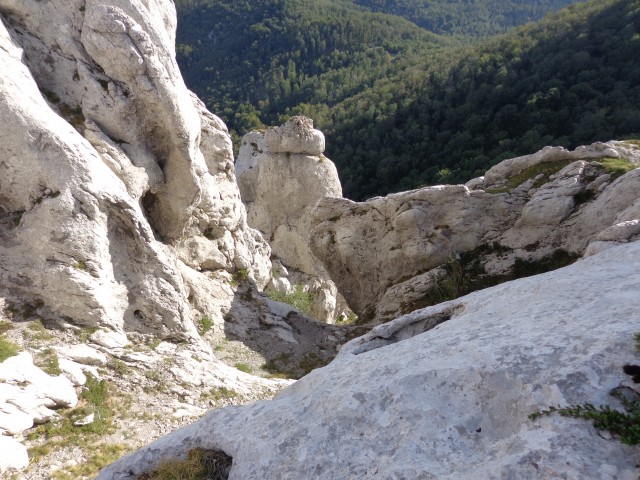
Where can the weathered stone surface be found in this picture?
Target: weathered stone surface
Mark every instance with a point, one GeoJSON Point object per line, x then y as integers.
{"type": "Point", "coordinates": [391, 255]}
{"type": "Point", "coordinates": [83, 354]}
{"type": "Point", "coordinates": [295, 136]}
{"type": "Point", "coordinates": [281, 179]}
{"type": "Point", "coordinates": [14, 455]}
{"type": "Point", "coordinates": [450, 402]}
{"type": "Point", "coordinates": [111, 169]}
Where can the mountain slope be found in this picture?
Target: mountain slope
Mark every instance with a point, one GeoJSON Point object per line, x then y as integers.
{"type": "Point", "coordinates": [403, 108]}
{"type": "Point", "coordinates": [569, 80]}
{"type": "Point", "coordinates": [251, 61]}
{"type": "Point", "coordinates": [473, 19]}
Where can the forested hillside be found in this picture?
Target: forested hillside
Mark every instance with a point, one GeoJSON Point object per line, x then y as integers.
{"type": "Point", "coordinates": [467, 18]}
{"type": "Point", "coordinates": [252, 60]}
{"type": "Point", "coordinates": [569, 80]}
{"type": "Point", "coordinates": [402, 107]}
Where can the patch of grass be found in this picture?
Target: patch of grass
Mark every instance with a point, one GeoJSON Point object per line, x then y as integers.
{"type": "Point", "coordinates": [95, 399]}
{"type": "Point", "coordinates": [633, 142]}
{"type": "Point", "coordinates": [546, 169]}
{"type": "Point", "coordinates": [7, 349]}
{"type": "Point", "coordinates": [298, 298]}
{"type": "Point", "coordinates": [48, 361]}
{"type": "Point", "coordinates": [219, 393]}
{"type": "Point", "coordinates": [6, 326]}
{"type": "Point", "coordinates": [80, 265]}
{"type": "Point", "coordinates": [465, 273]}
{"type": "Point", "coordinates": [97, 457]}
{"type": "Point", "coordinates": [200, 464]}
{"type": "Point", "coordinates": [84, 334]}
{"type": "Point", "coordinates": [351, 319]}
{"type": "Point", "coordinates": [39, 331]}
{"type": "Point", "coordinates": [617, 167]}
{"type": "Point", "coordinates": [243, 367]}
{"type": "Point", "coordinates": [204, 325]}
{"type": "Point", "coordinates": [118, 366]}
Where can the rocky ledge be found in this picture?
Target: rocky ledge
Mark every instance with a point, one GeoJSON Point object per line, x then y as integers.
{"type": "Point", "coordinates": [445, 392]}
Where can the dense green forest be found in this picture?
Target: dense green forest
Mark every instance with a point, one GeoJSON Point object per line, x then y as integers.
{"type": "Point", "coordinates": [402, 107]}
{"type": "Point", "coordinates": [467, 18]}
{"type": "Point", "coordinates": [252, 60]}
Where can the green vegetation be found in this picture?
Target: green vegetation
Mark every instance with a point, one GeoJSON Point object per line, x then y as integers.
{"type": "Point", "coordinates": [204, 325]}
{"type": "Point", "coordinates": [617, 166]}
{"type": "Point", "coordinates": [47, 360]}
{"type": "Point", "coordinates": [200, 465]}
{"type": "Point", "coordinates": [5, 327]}
{"type": "Point", "coordinates": [300, 298]}
{"type": "Point", "coordinates": [623, 424]}
{"type": "Point", "coordinates": [464, 18]}
{"type": "Point", "coordinates": [243, 367]}
{"type": "Point", "coordinates": [544, 169]}
{"type": "Point", "coordinates": [402, 107]}
{"type": "Point", "coordinates": [97, 457]}
{"type": "Point", "coordinates": [219, 393]}
{"type": "Point", "coordinates": [95, 399]}
{"type": "Point", "coordinates": [7, 348]}
{"type": "Point", "coordinates": [465, 273]}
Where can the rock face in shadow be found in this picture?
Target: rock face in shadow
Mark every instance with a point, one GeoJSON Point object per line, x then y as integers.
{"type": "Point", "coordinates": [282, 174]}
{"type": "Point", "coordinates": [391, 255]}
{"type": "Point", "coordinates": [114, 179]}
{"type": "Point", "coordinates": [445, 392]}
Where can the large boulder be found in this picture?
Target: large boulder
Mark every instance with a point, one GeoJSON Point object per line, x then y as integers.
{"type": "Point", "coordinates": [391, 255]}
{"type": "Point", "coordinates": [282, 174]}
{"type": "Point", "coordinates": [445, 392]}
{"type": "Point", "coordinates": [114, 176]}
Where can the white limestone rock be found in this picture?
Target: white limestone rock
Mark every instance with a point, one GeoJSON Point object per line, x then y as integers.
{"type": "Point", "coordinates": [110, 164]}
{"type": "Point", "coordinates": [297, 135]}
{"type": "Point", "coordinates": [450, 402]}
{"type": "Point", "coordinates": [83, 354]}
{"type": "Point", "coordinates": [73, 371]}
{"type": "Point", "coordinates": [109, 339]}
{"type": "Point", "coordinates": [14, 455]}
{"type": "Point", "coordinates": [391, 255]}
{"type": "Point", "coordinates": [281, 178]}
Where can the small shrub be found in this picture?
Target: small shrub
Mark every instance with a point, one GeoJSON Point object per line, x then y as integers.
{"type": "Point", "coordinates": [625, 425]}
{"type": "Point", "coordinates": [200, 464]}
{"type": "Point", "coordinates": [7, 349]}
{"type": "Point", "coordinates": [299, 298]}
{"type": "Point", "coordinates": [118, 366]}
{"type": "Point", "coordinates": [204, 325]}
{"type": "Point", "coordinates": [240, 276]}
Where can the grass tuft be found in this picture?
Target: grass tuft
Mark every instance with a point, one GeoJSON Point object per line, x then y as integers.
{"type": "Point", "coordinates": [299, 298]}
{"type": "Point", "coordinates": [200, 464]}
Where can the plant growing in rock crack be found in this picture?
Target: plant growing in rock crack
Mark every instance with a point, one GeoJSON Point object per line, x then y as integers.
{"type": "Point", "coordinates": [625, 425]}
{"type": "Point", "coordinates": [204, 325]}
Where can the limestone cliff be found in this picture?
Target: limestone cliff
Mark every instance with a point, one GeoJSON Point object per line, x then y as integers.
{"type": "Point", "coordinates": [117, 189]}
{"type": "Point", "coordinates": [445, 392]}
{"type": "Point", "coordinates": [391, 255]}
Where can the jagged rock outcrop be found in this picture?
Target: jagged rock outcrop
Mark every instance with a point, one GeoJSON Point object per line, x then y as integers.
{"type": "Point", "coordinates": [282, 174]}
{"type": "Point", "coordinates": [115, 180]}
{"type": "Point", "coordinates": [445, 392]}
{"type": "Point", "coordinates": [392, 255]}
